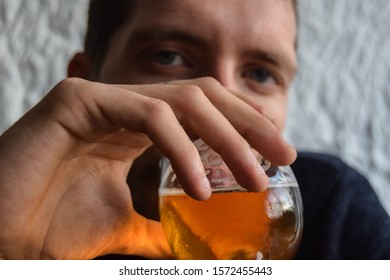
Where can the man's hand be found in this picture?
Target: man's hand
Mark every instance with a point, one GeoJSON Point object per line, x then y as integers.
{"type": "Point", "coordinates": [63, 166]}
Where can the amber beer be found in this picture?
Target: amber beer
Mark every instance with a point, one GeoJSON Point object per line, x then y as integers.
{"type": "Point", "coordinates": [232, 224]}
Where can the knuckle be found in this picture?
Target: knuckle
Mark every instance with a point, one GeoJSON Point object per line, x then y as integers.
{"type": "Point", "coordinates": [193, 94]}
{"type": "Point", "coordinates": [157, 107]}
{"type": "Point", "coordinates": [69, 95]}
{"type": "Point", "coordinates": [209, 81]}
{"type": "Point", "coordinates": [68, 89]}
{"type": "Point", "coordinates": [69, 85]}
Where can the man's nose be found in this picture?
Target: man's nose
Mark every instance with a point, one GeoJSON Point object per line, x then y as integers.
{"type": "Point", "coordinates": [225, 73]}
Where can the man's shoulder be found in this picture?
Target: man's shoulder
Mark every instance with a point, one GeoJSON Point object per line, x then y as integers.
{"type": "Point", "coordinates": [319, 160]}
{"type": "Point", "coordinates": [326, 175]}
{"type": "Point", "coordinates": [324, 167]}
{"type": "Point", "coordinates": [340, 210]}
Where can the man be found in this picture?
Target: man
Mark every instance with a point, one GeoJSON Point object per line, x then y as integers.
{"type": "Point", "coordinates": [64, 165]}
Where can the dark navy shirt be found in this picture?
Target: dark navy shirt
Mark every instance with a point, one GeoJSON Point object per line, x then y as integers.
{"type": "Point", "coordinates": [343, 218]}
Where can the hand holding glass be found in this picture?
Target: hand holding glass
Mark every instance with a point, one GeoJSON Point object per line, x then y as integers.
{"type": "Point", "coordinates": [233, 223]}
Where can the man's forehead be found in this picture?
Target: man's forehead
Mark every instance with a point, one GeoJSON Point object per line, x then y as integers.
{"type": "Point", "coordinates": [231, 13]}
{"type": "Point", "coordinates": [234, 19]}
{"type": "Point", "coordinates": [216, 6]}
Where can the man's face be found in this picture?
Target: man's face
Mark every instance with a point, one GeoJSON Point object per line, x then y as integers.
{"type": "Point", "coordinates": [247, 45]}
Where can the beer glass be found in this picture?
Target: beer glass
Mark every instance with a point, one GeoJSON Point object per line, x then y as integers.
{"type": "Point", "coordinates": [233, 223]}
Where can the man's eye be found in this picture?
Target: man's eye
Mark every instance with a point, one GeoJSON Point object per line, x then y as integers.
{"type": "Point", "coordinates": [260, 76]}
{"type": "Point", "coordinates": [168, 58]}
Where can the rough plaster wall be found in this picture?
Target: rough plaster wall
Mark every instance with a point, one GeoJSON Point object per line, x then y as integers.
{"type": "Point", "coordinates": [37, 37]}
{"type": "Point", "coordinates": [341, 98]}
{"type": "Point", "coordinates": [339, 104]}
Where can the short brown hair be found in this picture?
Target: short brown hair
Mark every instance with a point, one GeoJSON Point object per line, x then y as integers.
{"type": "Point", "coordinates": [104, 18]}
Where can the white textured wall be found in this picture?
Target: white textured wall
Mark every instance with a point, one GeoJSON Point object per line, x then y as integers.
{"type": "Point", "coordinates": [37, 37]}
{"type": "Point", "coordinates": [341, 98]}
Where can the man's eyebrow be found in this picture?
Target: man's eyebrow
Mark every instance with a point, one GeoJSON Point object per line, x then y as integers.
{"type": "Point", "coordinates": [276, 60]}
{"type": "Point", "coordinates": [153, 35]}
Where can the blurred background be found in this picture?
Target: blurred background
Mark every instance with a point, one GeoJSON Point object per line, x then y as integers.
{"type": "Point", "coordinates": [340, 101]}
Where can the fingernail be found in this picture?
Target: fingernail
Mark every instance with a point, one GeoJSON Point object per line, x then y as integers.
{"type": "Point", "coordinates": [205, 183]}
{"type": "Point", "coordinates": [260, 168]}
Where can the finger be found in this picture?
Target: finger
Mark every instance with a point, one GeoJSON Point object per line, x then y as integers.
{"type": "Point", "coordinates": [108, 108]}
{"type": "Point", "coordinates": [249, 121]}
{"type": "Point", "coordinates": [195, 112]}
{"type": "Point", "coordinates": [255, 105]}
